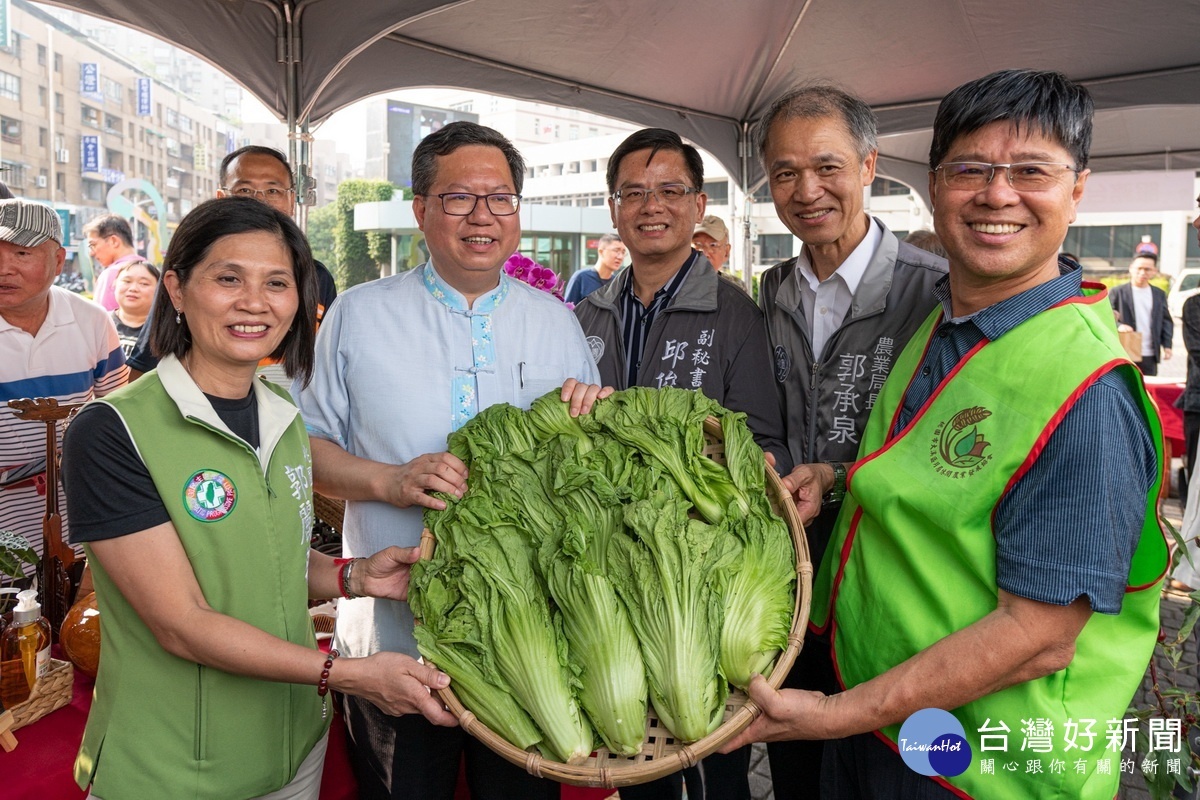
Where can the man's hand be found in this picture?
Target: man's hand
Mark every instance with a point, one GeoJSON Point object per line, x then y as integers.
{"type": "Point", "coordinates": [384, 574]}
{"type": "Point", "coordinates": [1166, 354]}
{"type": "Point", "coordinates": [582, 396]}
{"type": "Point", "coordinates": [789, 714]}
{"type": "Point", "coordinates": [807, 484]}
{"type": "Point", "coordinates": [1123, 328]}
{"type": "Point", "coordinates": [411, 484]}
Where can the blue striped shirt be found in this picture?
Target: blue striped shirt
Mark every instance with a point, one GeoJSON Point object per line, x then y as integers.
{"type": "Point", "coordinates": [1069, 526]}
{"type": "Point", "coordinates": [636, 319]}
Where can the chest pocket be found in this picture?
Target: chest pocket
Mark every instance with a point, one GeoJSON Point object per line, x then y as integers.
{"type": "Point", "coordinates": [531, 381]}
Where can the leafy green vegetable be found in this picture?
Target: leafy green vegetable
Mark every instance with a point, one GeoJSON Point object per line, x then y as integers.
{"type": "Point", "coordinates": [514, 621]}
{"type": "Point", "coordinates": [603, 648]}
{"type": "Point", "coordinates": [757, 591]}
{"type": "Point", "coordinates": [663, 578]}
{"type": "Point", "coordinates": [666, 426]}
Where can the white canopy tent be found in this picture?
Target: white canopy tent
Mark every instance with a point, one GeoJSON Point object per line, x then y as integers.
{"type": "Point", "coordinates": [707, 69]}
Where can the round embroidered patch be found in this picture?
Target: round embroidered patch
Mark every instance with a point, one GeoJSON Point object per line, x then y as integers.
{"type": "Point", "coordinates": [783, 363]}
{"type": "Point", "coordinates": [209, 495]}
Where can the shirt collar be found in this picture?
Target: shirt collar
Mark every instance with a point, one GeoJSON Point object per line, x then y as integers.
{"type": "Point", "coordinates": [1000, 318]}
{"type": "Point", "coordinates": [851, 270]}
{"type": "Point", "coordinates": [671, 287]}
{"type": "Point", "coordinates": [450, 297]}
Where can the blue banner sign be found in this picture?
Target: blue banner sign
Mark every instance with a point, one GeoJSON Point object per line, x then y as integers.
{"type": "Point", "coordinates": [91, 153]}
{"type": "Point", "coordinates": [143, 97]}
{"type": "Point", "coordinates": [89, 77]}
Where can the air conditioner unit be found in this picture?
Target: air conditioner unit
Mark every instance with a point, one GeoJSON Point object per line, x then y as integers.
{"type": "Point", "coordinates": [62, 156]}
{"type": "Point", "coordinates": [42, 181]}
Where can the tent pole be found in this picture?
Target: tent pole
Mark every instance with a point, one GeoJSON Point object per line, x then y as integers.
{"type": "Point", "coordinates": [289, 53]}
{"type": "Point", "coordinates": [747, 247]}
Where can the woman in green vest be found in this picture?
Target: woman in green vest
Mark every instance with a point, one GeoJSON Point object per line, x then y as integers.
{"type": "Point", "coordinates": [191, 490]}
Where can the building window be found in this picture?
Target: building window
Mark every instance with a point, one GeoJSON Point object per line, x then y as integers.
{"type": "Point", "coordinates": [60, 182]}
{"type": "Point", "coordinates": [882, 187]}
{"type": "Point", "coordinates": [573, 133]}
{"type": "Point", "coordinates": [718, 192]}
{"type": "Point", "coordinates": [60, 105]}
{"type": "Point", "coordinates": [90, 116]}
{"type": "Point", "coordinates": [774, 247]}
{"type": "Point", "coordinates": [10, 87]}
{"type": "Point", "coordinates": [43, 136]}
{"type": "Point", "coordinates": [113, 91]}
{"type": "Point", "coordinates": [1112, 243]}
{"type": "Point", "coordinates": [41, 53]}
{"type": "Point", "coordinates": [42, 96]}
{"type": "Point", "coordinates": [58, 62]}
{"type": "Point", "coordinates": [10, 130]}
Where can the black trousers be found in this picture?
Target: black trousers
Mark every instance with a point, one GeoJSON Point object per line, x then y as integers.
{"type": "Point", "coordinates": [1191, 432]}
{"type": "Point", "coordinates": [796, 766]}
{"type": "Point", "coordinates": [1148, 365]}
{"type": "Point", "coordinates": [408, 757]}
{"type": "Point", "coordinates": [863, 768]}
{"type": "Point", "coordinates": [717, 777]}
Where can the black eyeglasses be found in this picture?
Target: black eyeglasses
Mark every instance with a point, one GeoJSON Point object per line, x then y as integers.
{"type": "Point", "coordinates": [461, 204]}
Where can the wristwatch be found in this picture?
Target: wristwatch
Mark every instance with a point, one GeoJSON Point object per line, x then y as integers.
{"type": "Point", "coordinates": [835, 495]}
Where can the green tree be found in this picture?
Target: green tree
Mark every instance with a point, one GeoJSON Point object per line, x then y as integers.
{"type": "Point", "coordinates": [359, 254]}
{"type": "Point", "coordinates": [321, 223]}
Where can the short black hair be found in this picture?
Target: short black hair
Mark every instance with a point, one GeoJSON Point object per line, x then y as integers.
{"type": "Point", "coordinates": [1048, 102]}
{"type": "Point", "coordinates": [153, 270]}
{"type": "Point", "coordinates": [203, 226]}
{"type": "Point", "coordinates": [452, 136]}
{"type": "Point", "coordinates": [655, 139]}
{"type": "Point", "coordinates": [815, 100]}
{"type": "Point", "coordinates": [254, 150]}
{"type": "Point", "coordinates": [107, 225]}
{"type": "Point", "coordinates": [1147, 254]}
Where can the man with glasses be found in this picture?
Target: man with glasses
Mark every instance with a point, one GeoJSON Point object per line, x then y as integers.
{"type": "Point", "coordinates": [712, 239]}
{"type": "Point", "coordinates": [1000, 554]}
{"type": "Point", "coordinates": [262, 173]}
{"type": "Point", "coordinates": [671, 320]}
{"type": "Point", "coordinates": [110, 244]}
{"type": "Point", "coordinates": [401, 362]}
{"type": "Point", "coordinates": [837, 315]}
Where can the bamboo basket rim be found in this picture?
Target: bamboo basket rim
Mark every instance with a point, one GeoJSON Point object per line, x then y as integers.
{"type": "Point", "coordinates": [606, 771]}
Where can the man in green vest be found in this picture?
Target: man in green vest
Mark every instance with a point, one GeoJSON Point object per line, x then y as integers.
{"type": "Point", "coordinates": [999, 554]}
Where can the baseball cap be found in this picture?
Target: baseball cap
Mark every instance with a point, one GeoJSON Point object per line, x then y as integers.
{"type": "Point", "coordinates": [714, 226]}
{"type": "Point", "coordinates": [28, 224]}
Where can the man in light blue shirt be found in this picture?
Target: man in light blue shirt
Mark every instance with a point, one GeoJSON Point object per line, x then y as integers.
{"type": "Point", "coordinates": [403, 361]}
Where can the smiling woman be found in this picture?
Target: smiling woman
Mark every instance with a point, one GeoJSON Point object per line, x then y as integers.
{"type": "Point", "coordinates": [198, 537]}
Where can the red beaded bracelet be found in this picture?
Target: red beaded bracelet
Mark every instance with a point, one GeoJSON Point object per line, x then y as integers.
{"type": "Point", "coordinates": [323, 684]}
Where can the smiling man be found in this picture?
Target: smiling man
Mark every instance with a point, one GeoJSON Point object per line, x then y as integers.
{"type": "Point", "coordinates": [53, 343]}
{"type": "Point", "coordinates": [400, 363]}
{"type": "Point", "coordinates": [999, 555]}
{"type": "Point", "coordinates": [670, 319]}
{"type": "Point", "coordinates": [837, 316]}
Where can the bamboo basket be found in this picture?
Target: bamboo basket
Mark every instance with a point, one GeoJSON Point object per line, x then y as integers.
{"type": "Point", "coordinates": [50, 693]}
{"type": "Point", "coordinates": [661, 753]}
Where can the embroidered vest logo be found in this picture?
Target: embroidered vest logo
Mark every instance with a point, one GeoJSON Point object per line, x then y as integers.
{"type": "Point", "coordinates": [596, 345]}
{"type": "Point", "coordinates": [957, 448]}
{"type": "Point", "coordinates": [209, 495]}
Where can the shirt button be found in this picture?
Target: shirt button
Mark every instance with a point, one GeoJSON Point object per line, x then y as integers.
{"type": "Point", "coordinates": [943, 334]}
{"type": "Point", "coordinates": [824, 310]}
{"type": "Point", "coordinates": [926, 372]}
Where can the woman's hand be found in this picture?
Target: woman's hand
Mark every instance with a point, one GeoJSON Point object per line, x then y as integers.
{"type": "Point", "coordinates": [396, 683]}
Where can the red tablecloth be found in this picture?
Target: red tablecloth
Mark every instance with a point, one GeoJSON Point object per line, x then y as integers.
{"type": "Point", "coordinates": [41, 766]}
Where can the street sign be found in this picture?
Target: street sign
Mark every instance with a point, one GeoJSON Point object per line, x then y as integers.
{"type": "Point", "coordinates": [143, 97]}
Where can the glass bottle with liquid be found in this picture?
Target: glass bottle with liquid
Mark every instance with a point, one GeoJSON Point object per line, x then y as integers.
{"type": "Point", "coordinates": [24, 650]}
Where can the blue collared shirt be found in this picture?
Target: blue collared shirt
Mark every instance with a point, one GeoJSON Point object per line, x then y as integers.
{"type": "Point", "coordinates": [1070, 525]}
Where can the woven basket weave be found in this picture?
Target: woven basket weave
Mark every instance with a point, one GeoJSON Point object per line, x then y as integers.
{"type": "Point", "coordinates": [661, 753]}
{"type": "Point", "coordinates": [50, 693]}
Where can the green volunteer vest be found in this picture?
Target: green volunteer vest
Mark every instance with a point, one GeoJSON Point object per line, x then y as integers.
{"type": "Point", "coordinates": [913, 557]}
{"type": "Point", "coordinates": [165, 727]}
